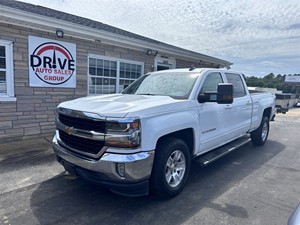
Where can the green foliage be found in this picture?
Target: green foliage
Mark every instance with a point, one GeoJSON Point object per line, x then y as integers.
{"type": "Point", "coordinates": [271, 81]}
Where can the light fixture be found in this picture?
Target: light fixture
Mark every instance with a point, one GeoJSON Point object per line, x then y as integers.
{"type": "Point", "coordinates": [149, 52]}
{"type": "Point", "coordinates": [120, 169]}
{"type": "Point", "coordinates": [59, 33]}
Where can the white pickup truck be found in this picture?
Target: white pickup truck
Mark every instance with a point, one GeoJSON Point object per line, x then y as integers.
{"type": "Point", "coordinates": [145, 138]}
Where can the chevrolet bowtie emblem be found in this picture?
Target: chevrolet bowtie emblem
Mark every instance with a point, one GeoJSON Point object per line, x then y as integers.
{"type": "Point", "coordinates": [70, 130]}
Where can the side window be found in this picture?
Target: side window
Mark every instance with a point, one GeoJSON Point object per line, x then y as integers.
{"type": "Point", "coordinates": [6, 71]}
{"type": "Point", "coordinates": [238, 85]}
{"type": "Point", "coordinates": [211, 82]}
{"type": "Point", "coordinates": [2, 70]}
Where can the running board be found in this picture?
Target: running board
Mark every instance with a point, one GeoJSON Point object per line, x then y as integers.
{"type": "Point", "coordinates": [213, 155]}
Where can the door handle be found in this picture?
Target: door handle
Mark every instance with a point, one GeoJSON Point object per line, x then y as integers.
{"type": "Point", "coordinates": [228, 107]}
{"type": "Point", "coordinates": [248, 103]}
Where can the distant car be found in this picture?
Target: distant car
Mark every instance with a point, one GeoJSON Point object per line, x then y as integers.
{"type": "Point", "coordinates": [298, 104]}
{"type": "Point", "coordinates": [295, 217]}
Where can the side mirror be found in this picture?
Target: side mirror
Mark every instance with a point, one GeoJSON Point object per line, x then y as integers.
{"type": "Point", "coordinates": [208, 96]}
{"type": "Point", "coordinates": [225, 94]}
{"type": "Point", "coordinates": [203, 98]}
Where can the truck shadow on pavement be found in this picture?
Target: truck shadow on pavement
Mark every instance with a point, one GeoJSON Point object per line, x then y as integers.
{"type": "Point", "coordinates": [66, 200]}
{"type": "Point", "coordinates": [26, 159]}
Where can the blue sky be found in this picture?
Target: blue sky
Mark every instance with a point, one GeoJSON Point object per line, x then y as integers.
{"type": "Point", "coordinates": [258, 36]}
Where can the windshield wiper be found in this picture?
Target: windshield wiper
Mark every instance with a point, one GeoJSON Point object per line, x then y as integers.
{"type": "Point", "coordinates": [145, 94]}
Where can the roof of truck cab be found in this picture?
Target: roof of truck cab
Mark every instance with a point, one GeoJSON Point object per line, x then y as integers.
{"type": "Point", "coordinates": [197, 70]}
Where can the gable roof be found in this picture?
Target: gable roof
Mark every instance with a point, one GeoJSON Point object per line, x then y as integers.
{"type": "Point", "coordinates": [29, 14]}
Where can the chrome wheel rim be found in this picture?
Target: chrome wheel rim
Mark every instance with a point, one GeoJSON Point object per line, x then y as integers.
{"type": "Point", "coordinates": [175, 168]}
{"type": "Point", "coordinates": [264, 132]}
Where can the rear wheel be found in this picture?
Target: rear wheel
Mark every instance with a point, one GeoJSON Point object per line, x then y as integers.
{"type": "Point", "coordinates": [171, 167]}
{"type": "Point", "coordinates": [260, 135]}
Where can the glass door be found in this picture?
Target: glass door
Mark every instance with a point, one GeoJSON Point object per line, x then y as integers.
{"type": "Point", "coordinates": [161, 66]}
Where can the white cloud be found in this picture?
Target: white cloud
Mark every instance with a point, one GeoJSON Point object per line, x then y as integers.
{"type": "Point", "coordinates": [247, 33]}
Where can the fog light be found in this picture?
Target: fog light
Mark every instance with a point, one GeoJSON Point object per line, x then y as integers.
{"type": "Point", "coordinates": [120, 168]}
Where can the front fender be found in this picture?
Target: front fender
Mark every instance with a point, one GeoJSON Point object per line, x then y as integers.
{"type": "Point", "coordinates": [158, 126]}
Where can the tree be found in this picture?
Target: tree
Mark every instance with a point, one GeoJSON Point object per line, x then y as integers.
{"type": "Point", "coordinates": [272, 81]}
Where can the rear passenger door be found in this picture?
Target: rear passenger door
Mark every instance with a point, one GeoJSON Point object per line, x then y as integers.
{"type": "Point", "coordinates": [239, 112]}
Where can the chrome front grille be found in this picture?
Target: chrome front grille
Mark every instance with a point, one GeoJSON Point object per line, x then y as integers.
{"type": "Point", "coordinates": [81, 144]}
{"type": "Point", "coordinates": [83, 123]}
{"type": "Point", "coordinates": [77, 134]}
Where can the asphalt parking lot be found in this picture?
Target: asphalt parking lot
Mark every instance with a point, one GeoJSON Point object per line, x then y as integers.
{"type": "Point", "coordinates": [252, 185]}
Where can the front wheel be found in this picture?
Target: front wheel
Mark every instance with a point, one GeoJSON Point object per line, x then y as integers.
{"type": "Point", "coordinates": [170, 168]}
{"type": "Point", "coordinates": [260, 135]}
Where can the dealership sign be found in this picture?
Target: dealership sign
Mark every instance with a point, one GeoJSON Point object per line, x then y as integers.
{"type": "Point", "coordinates": [292, 80]}
{"type": "Point", "coordinates": [51, 63]}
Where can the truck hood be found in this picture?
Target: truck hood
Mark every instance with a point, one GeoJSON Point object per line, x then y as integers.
{"type": "Point", "coordinates": [119, 105]}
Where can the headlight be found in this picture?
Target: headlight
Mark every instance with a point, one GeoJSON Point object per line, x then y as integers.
{"type": "Point", "coordinates": [123, 134]}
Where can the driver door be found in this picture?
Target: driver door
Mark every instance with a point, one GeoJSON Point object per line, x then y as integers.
{"type": "Point", "coordinates": [211, 115]}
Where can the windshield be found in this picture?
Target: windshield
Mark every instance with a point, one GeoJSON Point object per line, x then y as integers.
{"type": "Point", "coordinates": [174, 84]}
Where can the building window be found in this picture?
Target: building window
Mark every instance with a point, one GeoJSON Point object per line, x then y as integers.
{"type": "Point", "coordinates": [108, 75]}
{"type": "Point", "coordinates": [6, 71]}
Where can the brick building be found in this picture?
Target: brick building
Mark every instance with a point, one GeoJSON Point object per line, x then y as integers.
{"type": "Point", "coordinates": [47, 56]}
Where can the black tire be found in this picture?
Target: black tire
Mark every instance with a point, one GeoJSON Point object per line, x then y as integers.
{"type": "Point", "coordinates": [172, 160]}
{"type": "Point", "coordinates": [260, 135]}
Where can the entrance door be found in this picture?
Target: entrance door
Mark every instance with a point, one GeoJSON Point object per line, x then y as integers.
{"type": "Point", "coordinates": [164, 62]}
{"type": "Point", "coordinates": [163, 67]}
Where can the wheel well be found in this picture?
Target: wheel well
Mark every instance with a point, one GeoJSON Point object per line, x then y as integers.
{"type": "Point", "coordinates": [187, 135]}
{"type": "Point", "coordinates": [267, 112]}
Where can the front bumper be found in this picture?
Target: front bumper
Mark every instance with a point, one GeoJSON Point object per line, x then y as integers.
{"type": "Point", "coordinates": [134, 181]}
